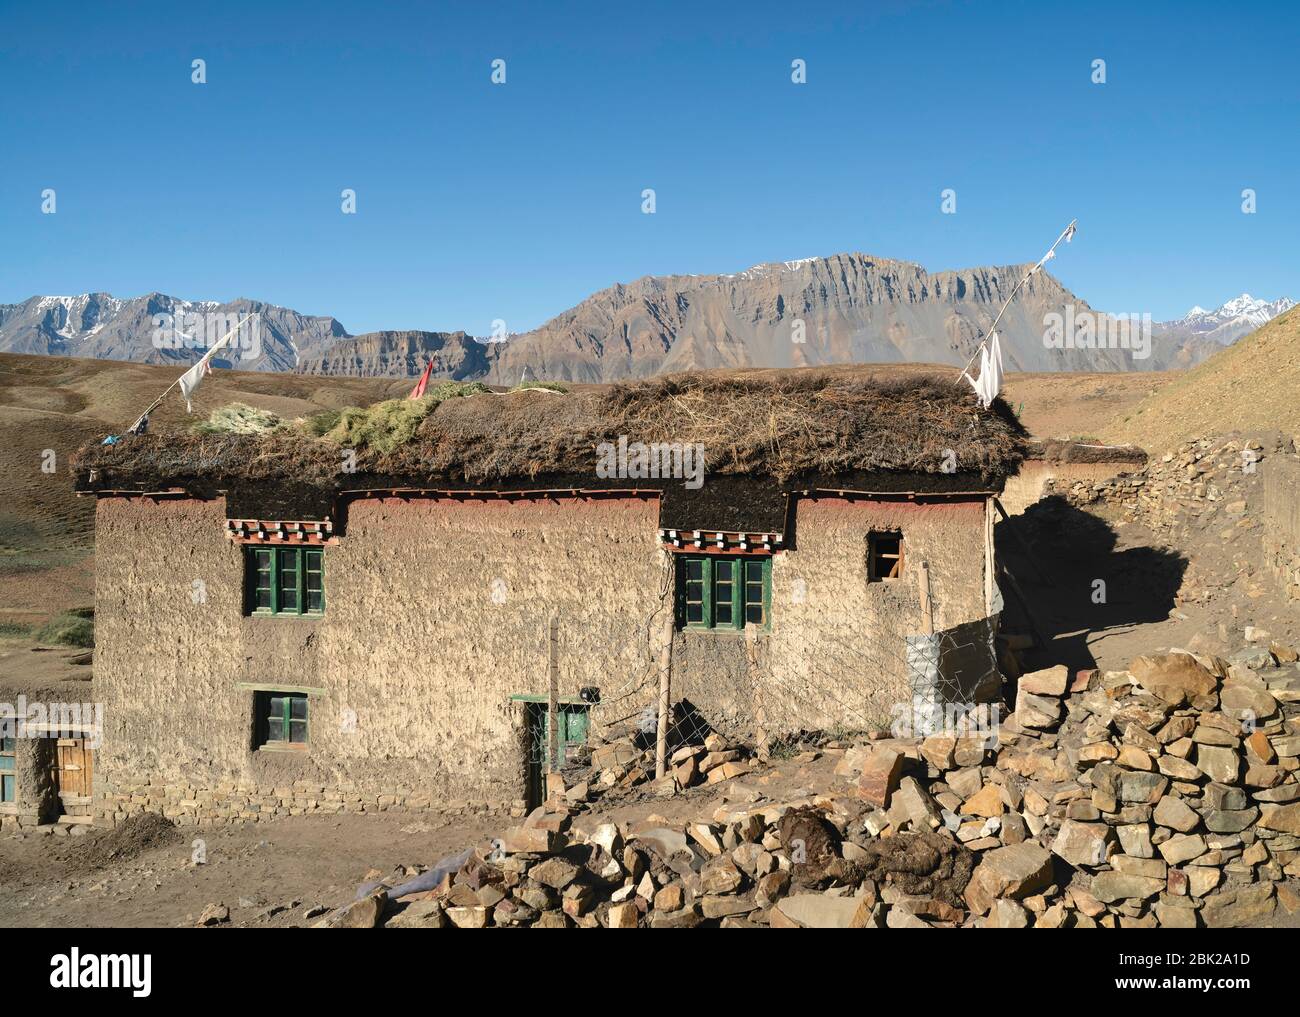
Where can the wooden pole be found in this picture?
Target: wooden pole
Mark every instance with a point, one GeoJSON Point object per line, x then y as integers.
{"type": "Point", "coordinates": [927, 607]}
{"type": "Point", "coordinates": [553, 697]}
{"type": "Point", "coordinates": [215, 346]}
{"type": "Point", "coordinates": [665, 690]}
{"type": "Point", "coordinates": [1003, 310]}
{"type": "Point", "coordinates": [762, 742]}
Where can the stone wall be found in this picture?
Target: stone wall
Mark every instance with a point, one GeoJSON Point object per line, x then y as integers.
{"type": "Point", "coordinates": [36, 801]}
{"type": "Point", "coordinates": [241, 801]}
{"type": "Point", "coordinates": [1282, 522]}
{"type": "Point", "coordinates": [1037, 478]}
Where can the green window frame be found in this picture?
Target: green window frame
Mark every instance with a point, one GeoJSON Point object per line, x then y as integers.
{"type": "Point", "coordinates": [8, 771]}
{"type": "Point", "coordinates": [724, 591]}
{"type": "Point", "coordinates": [282, 719]}
{"type": "Point", "coordinates": [285, 580]}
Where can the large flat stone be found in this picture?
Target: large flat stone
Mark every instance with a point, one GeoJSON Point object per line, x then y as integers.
{"type": "Point", "coordinates": [822, 911]}
{"type": "Point", "coordinates": [1015, 871]}
{"type": "Point", "coordinates": [1285, 818]}
{"type": "Point", "coordinates": [1110, 887]}
{"type": "Point", "coordinates": [1174, 678]}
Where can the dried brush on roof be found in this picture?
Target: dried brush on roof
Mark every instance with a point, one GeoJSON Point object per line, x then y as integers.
{"type": "Point", "coordinates": [773, 425]}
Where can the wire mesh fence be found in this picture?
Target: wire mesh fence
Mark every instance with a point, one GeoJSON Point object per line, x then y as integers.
{"type": "Point", "coordinates": [906, 684]}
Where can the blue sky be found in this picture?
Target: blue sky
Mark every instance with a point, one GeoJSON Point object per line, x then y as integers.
{"type": "Point", "coordinates": [478, 201]}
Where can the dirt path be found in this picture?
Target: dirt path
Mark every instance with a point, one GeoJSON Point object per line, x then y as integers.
{"type": "Point", "coordinates": [291, 864]}
{"type": "Point", "coordinates": [295, 863]}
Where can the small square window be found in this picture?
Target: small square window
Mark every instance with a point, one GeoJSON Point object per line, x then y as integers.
{"type": "Point", "coordinates": [884, 556]}
{"type": "Point", "coordinates": [723, 591]}
{"type": "Point", "coordinates": [285, 580]}
{"type": "Point", "coordinates": [281, 719]}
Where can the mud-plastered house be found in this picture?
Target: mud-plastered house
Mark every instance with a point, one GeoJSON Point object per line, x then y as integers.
{"type": "Point", "coordinates": [380, 615]}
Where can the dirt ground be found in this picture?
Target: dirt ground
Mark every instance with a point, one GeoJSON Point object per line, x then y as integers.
{"type": "Point", "coordinates": [271, 874]}
{"type": "Point", "coordinates": [282, 873]}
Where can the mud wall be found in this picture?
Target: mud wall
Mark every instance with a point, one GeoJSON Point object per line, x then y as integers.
{"type": "Point", "coordinates": [1282, 521]}
{"type": "Point", "coordinates": [436, 614]}
{"type": "Point", "coordinates": [834, 655]}
{"type": "Point", "coordinates": [1030, 483]}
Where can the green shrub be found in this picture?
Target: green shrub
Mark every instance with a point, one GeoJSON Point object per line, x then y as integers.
{"type": "Point", "coordinates": [12, 629]}
{"type": "Point", "coordinates": [392, 423]}
{"type": "Point", "coordinates": [239, 418]}
{"type": "Point", "coordinates": [320, 424]}
{"type": "Point", "coordinates": [67, 630]}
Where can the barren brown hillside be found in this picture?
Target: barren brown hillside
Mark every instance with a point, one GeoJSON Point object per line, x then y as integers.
{"type": "Point", "coordinates": [50, 406]}
{"type": "Point", "coordinates": [1250, 386]}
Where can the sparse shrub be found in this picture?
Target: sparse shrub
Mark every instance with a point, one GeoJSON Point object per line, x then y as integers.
{"type": "Point", "coordinates": [239, 418]}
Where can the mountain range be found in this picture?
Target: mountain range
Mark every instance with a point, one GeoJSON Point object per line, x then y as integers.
{"type": "Point", "coordinates": [816, 311]}
{"type": "Point", "coordinates": [1226, 324]}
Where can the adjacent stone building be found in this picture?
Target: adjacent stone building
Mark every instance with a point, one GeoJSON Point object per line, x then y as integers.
{"type": "Point", "coordinates": [374, 618]}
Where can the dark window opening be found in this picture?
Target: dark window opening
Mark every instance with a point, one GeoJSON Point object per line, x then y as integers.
{"type": "Point", "coordinates": [281, 720]}
{"type": "Point", "coordinates": [884, 556]}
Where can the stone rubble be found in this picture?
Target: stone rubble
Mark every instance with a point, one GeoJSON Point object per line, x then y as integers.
{"type": "Point", "coordinates": [1166, 795]}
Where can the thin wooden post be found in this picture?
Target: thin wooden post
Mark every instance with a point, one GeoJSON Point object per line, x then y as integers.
{"type": "Point", "coordinates": [927, 607]}
{"type": "Point", "coordinates": [665, 691]}
{"type": "Point", "coordinates": [553, 696]}
{"type": "Point", "coordinates": [762, 742]}
{"type": "Point", "coordinates": [990, 558]}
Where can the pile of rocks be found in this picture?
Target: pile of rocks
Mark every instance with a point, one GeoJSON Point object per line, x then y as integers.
{"type": "Point", "coordinates": [1164, 795]}
{"type": "Point", "coordinates": [1208, 482]}
{"type": "Point", "coordinates": [624, 761]}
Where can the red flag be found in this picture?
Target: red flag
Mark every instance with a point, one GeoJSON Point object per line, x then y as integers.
{"type": "Point", "coordinates": [422, 384]}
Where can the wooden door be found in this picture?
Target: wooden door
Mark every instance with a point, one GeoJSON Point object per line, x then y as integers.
{"type": "Point", "coordinates": [75, 769]}
{"type": "Point", "coordinates": [573, 722]}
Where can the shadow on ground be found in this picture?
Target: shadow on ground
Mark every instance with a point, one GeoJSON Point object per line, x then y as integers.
{"type": "Point", "coordinates": [1077, 583]}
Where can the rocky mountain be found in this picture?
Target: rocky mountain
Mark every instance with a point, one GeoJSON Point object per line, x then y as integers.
{"type": "Point", "coordinates": [455, 355]}
{"type": "Point", "coordinates": [159, 329]}
{"type": "Point", "coordinates": [846, 308]}
{"type": "Point", "coordinates": [1225, 324]}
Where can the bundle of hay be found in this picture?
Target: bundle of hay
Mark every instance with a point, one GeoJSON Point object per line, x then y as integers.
{"type": "Point", "coordinates": [384, 426]}
{"type": "Point", "coordinates": [239, 418]}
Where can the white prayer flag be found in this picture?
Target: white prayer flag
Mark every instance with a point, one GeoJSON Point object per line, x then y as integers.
{"type": "Point", "coordinates": [989, 383]}
{"type": "Point", "coordinates": [189, 381]}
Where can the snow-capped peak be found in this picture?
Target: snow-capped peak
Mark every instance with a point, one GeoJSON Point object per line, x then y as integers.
{"type": "Point", "coordinates": [1229, 321]}
{"type": "Point", "coordinates": [1244, 308]}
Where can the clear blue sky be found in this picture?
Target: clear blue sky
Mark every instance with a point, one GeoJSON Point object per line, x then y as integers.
{"type": "Point", "coordinates": [478, 201]}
